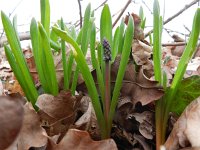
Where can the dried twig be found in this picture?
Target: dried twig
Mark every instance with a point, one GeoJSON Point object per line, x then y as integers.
{"type": "Point", "coordinates": [175, 15]}
{"type": "Point", "coordinates": [80, 13]}
{"type": "Point", "coordinates": [100, 5]}
{"type": "Point", "coordinates": [147, 7]}
{"type": "Point", "coordinates": [174, 44]}
{"type": "Point", "coordinates": [123, 10]}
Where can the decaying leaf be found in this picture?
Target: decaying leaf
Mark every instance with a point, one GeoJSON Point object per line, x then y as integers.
{"type": "Point", "coordinates": [138, 32]}
{"type": "Point", "coordinates": [88, 121]}
{"type": "Point", "coordinates": [186, 129]}
{"type": "Point", "coordinates": [141, 52]}
{"type": "Point", "coordinates": [31, 134]}
{"type": "Point", "coordinates": [80, 140]}
{"type": "Point", "coordinates": [11, 118]}
{"type": "Point", "coordinates": [58, 112]}
{"type": "Point", "coordinates": [137, 85]}
{"type": "Point", "coordinates": [146, 123]}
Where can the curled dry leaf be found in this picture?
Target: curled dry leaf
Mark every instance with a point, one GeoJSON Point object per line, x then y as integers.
{"type": "Point", "coordinates": [137, 85]}
{"type": "Point", "coordinates": [141, 52]}
{"type": "Point", "coordinates": [146, 123]}
{"type": "Point", "coordinates": [58, 112]}
{"type": "Point", "coordinates": [11, 118]}
{"type": "Point", "coordinates": [186, 130]}
{"type": "Point", "coordinates": [80, 140]}
{"type": "Point", "coordinates": [138, 32]}
{"type": "Point", "coordinates": [31, 134]}
{"type": "Point", "coordinates": [88, 120]}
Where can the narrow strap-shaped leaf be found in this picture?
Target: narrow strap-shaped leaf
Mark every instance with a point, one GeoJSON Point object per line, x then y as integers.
{"type": "Point", "coordinates": [49, 59]}
{"type": "Point", "coordinates": [64, 58]}
{"type": "Point", "coordinates": [17, 72]}
{"type": "Point", "coordinates": [121, 36]}
{"type": "Point", "coordinates": [34, 33]}
{"type": "Point", "coordinates": [16, 49]}
{"type": "Point", "coordinates": [80, 59]}
{"type": "Point", "coordinates": [45, 15]}
{"type": "Point", "coordinates": [122, 67]}
{"type": "Point", "coordinates": [115, 43]}
{"type": "Point", "coordinates": [157, 42]}
{"type": "Point", "coordinates": [95, 63]}
{"type": "Point", "coordinates": [85, 35]}
{"type": "Point", "coordinates": [105, 30]}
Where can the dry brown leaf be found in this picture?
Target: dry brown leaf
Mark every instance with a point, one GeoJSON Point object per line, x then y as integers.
{"type": "Point", "coordinates": [138, 32]}
{"type": "Point", "coordinates": [31, 134]}
{"type": "Point", "coordinates": [186, 130]}
{"type": "Point", "coordinates": [146, 123]}
{"type": "Point", "coordinates": [88, 121]}
{"type": "Point", "coordinates": [141, 52]}
{"type": "Point", "coordinates": [11, 118]}
{"type": "Point", "coordinates": [80, 140]}
{"type": "Point", "coordinates": [58, 112]}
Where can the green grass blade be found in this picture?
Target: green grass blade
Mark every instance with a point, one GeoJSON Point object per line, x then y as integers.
{"type": "Point", "coordinates": [121, 37]}
{"type": "Point", "coordinates": [80, 59]}
{"type": "Point", "coordinates": [122, 67]}
{"type": "Point", "coordinates": [115, 43]}
{"type": "Point", "coordinates": [45, 15]}
{"type": "Point", "coordinates": [17, 51]}
{"type": "Point", "coordinates": [105, 30]}
{"type": "Point", "coordinates": [86, 29]}
{"type": "Point", "coordinates": [157, 42]}
{"type": "Point", "coordinates": [187, 55]}
{"type": "Point", "coordinates": [49, 60]}
{"type": "Point", "coordinates": [95, 63]}
{"type": "Point", "coordinates": [86, 26]}
{"type": "Point", "coordinates": [64, 59]}
{"type": "Point", "coordinates": [17, 72]}
{"type": "Point", "coordinates": [34, 33]}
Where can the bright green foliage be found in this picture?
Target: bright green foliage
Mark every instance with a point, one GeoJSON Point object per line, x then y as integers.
{"type": "Point", "coordinates": [16, 58]}
{"type": "Point", "coordinates": [188, 90]}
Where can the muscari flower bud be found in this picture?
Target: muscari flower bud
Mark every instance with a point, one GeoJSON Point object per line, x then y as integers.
{"type": "Point", "coordinates": [107, 50]}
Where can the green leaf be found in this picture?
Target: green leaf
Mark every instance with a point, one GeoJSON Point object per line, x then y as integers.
{"type": "Point", "coordinates": [157, 42]}
{"type": "Point", "coordinates": [122, 67]}
{"type": "Point", "coordinates": [115, 44]}
{"type": "Point", "coordinates": [105, 30]}
{"type": "Point", "coordinates": [14, 42]}
{"type": "Point", "coordinates": [121, 37]}
{"type": "Point", "coordinates": [34, 33]}
{"type": "Point", "coordinates": [80, 60]}
{"type": "Point", "coordinates": [64, 59]}
{"type": "Point", "coordinates": [51, 72]}
{"type": "Point", "coordinates": [188, 91]}
{"type": "Point", "coordinates": [45, 15]}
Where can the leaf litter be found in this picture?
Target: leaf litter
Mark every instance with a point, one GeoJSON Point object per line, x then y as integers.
{"type": "Point", "coordinates": [60, 120]}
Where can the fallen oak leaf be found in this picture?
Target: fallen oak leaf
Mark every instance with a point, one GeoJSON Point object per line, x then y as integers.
{"type": "Point", "coordinates": [11, 118]}
{"type": "Point", "coordinates": [31, 134]}
{"type": "Point", "coordinates": [81, 140]}
{"type": "Point", "coordinates": [58, 112]}
{"type": "Point", "coordinates": [186, 129]}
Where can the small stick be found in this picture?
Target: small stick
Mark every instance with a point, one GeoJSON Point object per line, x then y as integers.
{"type": "Point", "coordinates": [80, 13]}
{"type": "Point", "coordinates": [175, 15]}
{"type": "Point", "coordinates": [123, 10]}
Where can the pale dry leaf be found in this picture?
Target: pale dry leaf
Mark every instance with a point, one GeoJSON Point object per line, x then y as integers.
{"type": "Point", "coordinates": [11, 118]}
{"type": "Point", "coordinates": [186, 130]}
{"type": "Point", "coordinates": [58, 112]}
{"type": "Point", "coordinates": [141, 52]}
{"type": "Point", "coordinates": [81, 140]}
{"type": "Point", "coordinates": [31, 134]}
{"type": "Point", "coordinates": [146, 123]}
